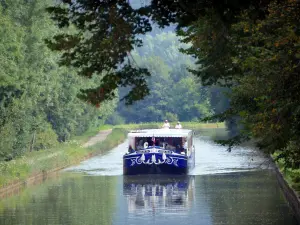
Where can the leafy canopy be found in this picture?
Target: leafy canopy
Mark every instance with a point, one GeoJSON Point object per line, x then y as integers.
{"type": "Point", "coordinates": [105, 32]}
{"type": "Point", "coordinates": [250, 46]}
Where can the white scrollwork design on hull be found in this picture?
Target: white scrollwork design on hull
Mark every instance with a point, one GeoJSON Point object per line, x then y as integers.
{"type": "Point", "coordinates": [153, 160]}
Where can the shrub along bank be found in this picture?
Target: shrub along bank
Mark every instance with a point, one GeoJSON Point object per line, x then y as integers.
{"type": "Point", "coordinates": [61, 156]}
{"type": "Point", "coordinates": [291, 173]}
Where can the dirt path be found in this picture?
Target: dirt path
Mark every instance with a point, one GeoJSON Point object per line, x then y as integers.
{"type": "Point", "coordinates": [99, 137]}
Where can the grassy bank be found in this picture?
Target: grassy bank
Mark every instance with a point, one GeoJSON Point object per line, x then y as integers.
{"type": "Point", "coordinates": [63, 155]}
{"type": "Point", "coordinates": [292, 176]}
{"type": "Point", "coordinates": [91, 133]}
{"type": "Point", "coordinates": [213, 130]}
{"type": "Point", "coordinates": [187, 125]}
{"type": "Point", "coordinates": [72, 152]}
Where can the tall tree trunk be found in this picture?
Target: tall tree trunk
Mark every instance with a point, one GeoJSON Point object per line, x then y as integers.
{"type": "Point", "coordinates": [32, 141]}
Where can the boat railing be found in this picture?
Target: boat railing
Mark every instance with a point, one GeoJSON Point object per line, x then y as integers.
{"type": "Point", "coordinates": [157, 150]}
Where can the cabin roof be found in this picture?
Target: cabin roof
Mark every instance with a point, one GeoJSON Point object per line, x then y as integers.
{"type": "Point", "coordinates": [160, 133]}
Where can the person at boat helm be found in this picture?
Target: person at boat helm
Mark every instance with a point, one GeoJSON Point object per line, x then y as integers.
{"type": "Point", "coordinates": [130, 149]}
{"type": "Point", "coordinates": [178, 125]}
{"type": "Point", "coordinates": [185, 145]}
{"type": "Point", "coordinates": [157, 142]}
{"type": "Point", "coordinates": [166, 124]}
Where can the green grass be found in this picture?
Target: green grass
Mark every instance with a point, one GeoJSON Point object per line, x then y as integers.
{"type": "Point", "coordinates": [186, 125]}
{"type": "Point", "coordinates": [116, 137]}
{"type": "Point", "coordinates": [91, 132]}
{"type": "Point", "coordinates": [63, 155]}
{"type": "Point", "coordinates": [105, 127]}
{"type": "Point", "coordinates": [292, 176]}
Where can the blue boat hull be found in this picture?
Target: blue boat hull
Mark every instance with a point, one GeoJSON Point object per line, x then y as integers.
{"type": "Point", "coordinates": [156, 163]}
{"type": "Point", "coordinates": [154, 169]}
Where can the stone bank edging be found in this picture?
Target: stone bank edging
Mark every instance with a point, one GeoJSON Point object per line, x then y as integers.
{"type": "Point", "coordinates": [289, 193]}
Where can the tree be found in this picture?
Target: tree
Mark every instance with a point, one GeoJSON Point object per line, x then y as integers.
{"type": "Point", "coordinates": [260, 62]}
{"type": "Point", "coordinates": [106, 31]}
{"type": "Point", "coordinates": [101, 26]}
{"type": "Point", "coordinates": [175, 94]}
{"type": "Point", "coordinates": [38, 99]}
{"type": "Point", "coordinates": [250, 46]}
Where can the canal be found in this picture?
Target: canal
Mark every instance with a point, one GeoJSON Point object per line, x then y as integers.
{"type": "Point", "coordinates": [224, 188]}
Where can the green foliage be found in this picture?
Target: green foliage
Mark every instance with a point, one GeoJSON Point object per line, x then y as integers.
{"type": "Point", "coordinates": [63, 155]}
{"type": "Point", "coordinates": [270, 112]}
{"type": "Point", "coordinates": [38, 99]}
{"type": "Point", "coordinates": [99, 28]}
{"type": "Point", "coordinates": [171, 117]}
{"type": "Point", "coordinates": [257, 55]}
{"type": "Point", "coordinates": [115, 119]}
{"type": "Point", "coordinates": [174, 93]}
{"type": "Point", "coordinates": [103, 26]}
{"type": "Point", "coordinates": [291, 173]}
{"type": "Point", "coordinates": [45, 139]}
{"type": "Point", "coordinates": [250, 46]}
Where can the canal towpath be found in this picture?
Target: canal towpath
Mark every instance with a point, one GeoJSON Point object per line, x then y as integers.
{"type": "Point", "coordinates": [16, 186]}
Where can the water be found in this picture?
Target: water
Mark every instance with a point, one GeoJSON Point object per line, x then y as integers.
{"type": "Point", "coordinates": [210, 159]}
{"type": "Point", "coordinates": [224, 188]}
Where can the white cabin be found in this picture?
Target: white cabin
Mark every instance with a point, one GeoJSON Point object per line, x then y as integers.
{"type": "Point", "coordinates": [170, 139]}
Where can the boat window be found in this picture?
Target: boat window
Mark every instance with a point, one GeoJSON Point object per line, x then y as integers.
{"type": "Point", "coordinates": [140, 142]}
{"type": "Point", "coordinates": [169, 143]}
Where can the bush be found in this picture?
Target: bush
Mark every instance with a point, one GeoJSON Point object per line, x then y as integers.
{"type": "Point", "coordinates": [171, 117]}
{"type": "Point", "coordinates": [115, 119]}
{"type": "Point", "coordinates": [45, 139]}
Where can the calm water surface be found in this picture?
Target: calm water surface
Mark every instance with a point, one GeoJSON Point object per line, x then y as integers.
{"type": "Point", "coordinates": [224, 188]}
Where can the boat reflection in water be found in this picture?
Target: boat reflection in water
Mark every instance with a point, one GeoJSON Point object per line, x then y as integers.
{"type": "Point", "coordinates": [168, 194]}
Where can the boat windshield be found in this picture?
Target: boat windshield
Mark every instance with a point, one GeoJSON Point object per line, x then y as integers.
{"type": "Point", "coordinates": [169, 143]}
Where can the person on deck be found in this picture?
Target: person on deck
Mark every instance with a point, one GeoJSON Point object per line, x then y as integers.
{"type": "Point", "coordinates": [178, 125]}
{"type": "Point", "coordinates": [140, 144]}
{"type": "Point", "coordinates": [166, 125]}
{"type": "Point", "coordinates": [185, 146]}
{"type": "Point", "coordinates": [130, 149]}
{"type": "Point", "coordinates": [157, 142]}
